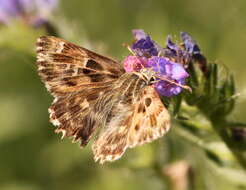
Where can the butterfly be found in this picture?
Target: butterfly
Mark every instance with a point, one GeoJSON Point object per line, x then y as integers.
{"type": "Point", "coordinates": [94, 96]}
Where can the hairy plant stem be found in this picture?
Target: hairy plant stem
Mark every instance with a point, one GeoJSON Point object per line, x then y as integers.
{"type": "Point", "coordinates": [220, 125]}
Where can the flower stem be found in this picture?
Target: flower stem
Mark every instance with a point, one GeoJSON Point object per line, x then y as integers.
{"type": "Point", "coordinates": [220, 126]}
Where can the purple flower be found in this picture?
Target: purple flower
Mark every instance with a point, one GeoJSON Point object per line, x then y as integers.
{"type": "Point", "coordinates": [139, 34]}
{"type": "Point", "coordinates": [181, 54]}
{"type": "Point", "coordinates": [171, 45]}
{"type": "Point", "coordinates": [144, 45]}
{"type": "Point", "coordinates": [169, 73]}
{"type": "Point", "coordinates": [30, 11]}
{"type": "Point", "coordinates": [7, 9]}
{"type": "Point", "coordinates": [189, 44]}
{"type": "Point", "coordinates": [176, 53]}
{"type": "Point", "coordinates": [168, 63]}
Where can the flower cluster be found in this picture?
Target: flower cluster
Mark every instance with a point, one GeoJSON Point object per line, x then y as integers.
{"type": "Point", "coordinates": [33, 12]}
{"type": "Point", "coordinates": [169, 62]}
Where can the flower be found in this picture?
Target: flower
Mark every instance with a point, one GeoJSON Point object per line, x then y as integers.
{"type": "Point", "coordinates": [144, 45]}
{"type": "Point", "coordinates": [176, 53]}
{"type": "Point", "coordinates": [7, 9]}
{"type": "Point", "coordinates": [168, 63]}
{"type": "Point", "coordinates": [182, 54]}
{"type": "Point", "coordinates": [193, 49]}
{"type": "Point", "coordinates": [190, 45]}
{"type": "Point", "coordinates": [171, 45]}
{"type": "Point", "coordinates": [33, 12]}
{"type": "Point", "coordinates": [134, 63]}
{"type": "Point", "coordinates": [169, 73]}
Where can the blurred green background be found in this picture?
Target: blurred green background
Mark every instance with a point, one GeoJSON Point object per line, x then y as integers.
{"type": "Point", "coordinates": [34, 158]}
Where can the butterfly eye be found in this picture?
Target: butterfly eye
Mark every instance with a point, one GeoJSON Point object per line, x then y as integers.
{"type": "Point", "coordinates": [152, 80]}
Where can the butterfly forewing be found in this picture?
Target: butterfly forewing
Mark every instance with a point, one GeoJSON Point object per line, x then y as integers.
{"type": "Point", "coordinates": [76, 77]}
{"type": "Point", "coordinates": [65, 67]}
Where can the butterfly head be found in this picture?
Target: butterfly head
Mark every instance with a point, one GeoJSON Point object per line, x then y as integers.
{"type": "Point", "coordinates": [149, 74]}
{"type": "Point", "coordinates": [153, 77]}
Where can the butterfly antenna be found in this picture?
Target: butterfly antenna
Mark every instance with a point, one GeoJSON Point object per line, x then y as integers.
{"type": "Point", "coordinates": [129, 48]}
{"type": "Point", "coordinates": [159, 53]}
{"type": "Point", "coordinates": [177, 84]}
{"type": "Point", "coordinates": [158, 66]}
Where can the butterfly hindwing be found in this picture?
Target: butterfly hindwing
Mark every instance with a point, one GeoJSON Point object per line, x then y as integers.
{"type": "Point", "coordinates": [141, 122]}
{"type": "Point", "coordinates": [71, 114]}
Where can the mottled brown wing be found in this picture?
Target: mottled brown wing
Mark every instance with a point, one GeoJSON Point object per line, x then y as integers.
{"type": "Point", "coordinates": [74, 115]}
{"type": "Point", "coordinates": [76, 77]}
{"type": "Point", "coordinates": [65, 67]}
{"type": "Point", "coordinates": [135, 124]}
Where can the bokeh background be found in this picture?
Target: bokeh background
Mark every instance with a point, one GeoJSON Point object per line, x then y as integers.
{"type": "Point", "coordinates": [32, 156]}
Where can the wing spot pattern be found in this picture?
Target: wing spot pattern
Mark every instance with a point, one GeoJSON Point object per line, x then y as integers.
{"type": "Point", "coordinates": [148, 101]}
{"type": "Point", "coordinates": [93, 65]}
